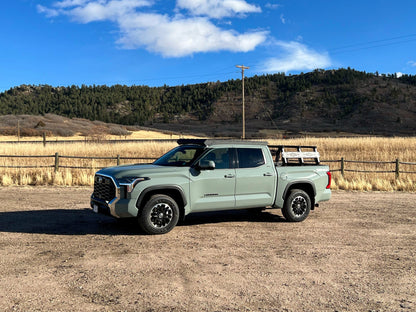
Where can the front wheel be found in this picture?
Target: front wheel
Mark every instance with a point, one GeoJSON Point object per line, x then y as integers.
{"type": "Point", "coordinates": [159, 215]}
{"type": "Point", "coordinates": [297, 206]}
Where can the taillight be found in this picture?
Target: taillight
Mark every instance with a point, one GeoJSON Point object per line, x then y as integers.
{"type": "Point", "coordinates": [329, 179]}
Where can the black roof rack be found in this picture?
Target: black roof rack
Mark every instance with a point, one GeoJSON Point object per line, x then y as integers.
{"type": "Point", "coordinates": [209, 142]}
{"type": "Point", "coordinates": [192, 142]}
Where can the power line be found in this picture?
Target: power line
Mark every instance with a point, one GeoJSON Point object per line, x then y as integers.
{"type": "Point", "coordinates": [196, 75]}
{"type": "Point", "coordinates": [220, 73]}
{"type": "Point", "coordinates": [373, 44]}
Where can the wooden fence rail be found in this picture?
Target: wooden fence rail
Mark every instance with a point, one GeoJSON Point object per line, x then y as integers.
{"type": "Point", "coordinates": [396, 164]}
{"type": "Point", "coordinates": [58, 157]}
{"type": "Point", "coordinates": [342, 167]}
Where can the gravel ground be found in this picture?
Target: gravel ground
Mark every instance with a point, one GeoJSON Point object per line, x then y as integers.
{"type": "Point", "coordinates": [354, 253]}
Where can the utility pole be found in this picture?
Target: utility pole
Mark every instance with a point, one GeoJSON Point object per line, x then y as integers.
{"type": "Point", "coordinates": [18, 131]}
{"type": "Point", "coordinates": [244, 117]}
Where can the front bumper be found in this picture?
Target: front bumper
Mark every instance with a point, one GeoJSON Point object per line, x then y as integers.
{"type": "Point", "coordinates": [111, 199]}
{"type": "Point", "coordinates": [118, 208]}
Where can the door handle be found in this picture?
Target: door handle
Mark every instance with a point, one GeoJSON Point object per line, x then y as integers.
{"type": "Point", "coordinates": [229, 176]}
{"type": "Point", "coordinates": [268, 174]}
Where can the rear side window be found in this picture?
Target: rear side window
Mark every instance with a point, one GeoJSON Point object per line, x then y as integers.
{"type": "Point", "coordinates": [250, 157]}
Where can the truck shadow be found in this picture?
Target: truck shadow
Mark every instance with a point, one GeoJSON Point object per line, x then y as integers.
{"type": "Point", "coordinates": [61, 222]}
{"type": "Point", "coordinates": [85, 222]}
{"type": "Point", "coordinates": [231, 216]}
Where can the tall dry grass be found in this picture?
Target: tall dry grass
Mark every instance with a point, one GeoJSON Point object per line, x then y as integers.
{"type": "Point", "coordinates": [364, 149]}
{"type": "Point", "coordinates": [44, 173]}
{"type": "Point", "coordinates": [377, 149]}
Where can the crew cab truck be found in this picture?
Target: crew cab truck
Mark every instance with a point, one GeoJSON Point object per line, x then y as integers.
{"type": "Point", "coordinates": [211, 175]}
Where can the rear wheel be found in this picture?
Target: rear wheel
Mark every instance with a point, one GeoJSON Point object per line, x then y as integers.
{"type": "Point", "coordinates": [297, 206]}
{"type": "Point", "coordinates": [159, 215]}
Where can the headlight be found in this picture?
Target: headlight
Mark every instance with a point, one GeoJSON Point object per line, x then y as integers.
{"type": "Point", "coordinates": [130, 182]}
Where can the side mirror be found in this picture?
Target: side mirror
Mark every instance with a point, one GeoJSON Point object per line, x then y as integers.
{"type": "Point", "coordinates": [206, 165]}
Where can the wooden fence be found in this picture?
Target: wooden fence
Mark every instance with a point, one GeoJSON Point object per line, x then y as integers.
{"type": "Point", "coordinates": [56, 161]}
{"type": "Point", "coordinates": [395, 165]}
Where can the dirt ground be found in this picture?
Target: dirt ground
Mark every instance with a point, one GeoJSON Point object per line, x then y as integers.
{"type": "Point", "coordinates": [354, 253]}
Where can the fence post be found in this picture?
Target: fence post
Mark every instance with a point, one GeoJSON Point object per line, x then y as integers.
{"type": "Point", "coordinates": [397, 168]}
{"type": "Point", "coordinates": [118, 160]}
{"type": "Point", "coordinates": [56, 162]}
{"type": "Point", "coordinates": [342, 166]}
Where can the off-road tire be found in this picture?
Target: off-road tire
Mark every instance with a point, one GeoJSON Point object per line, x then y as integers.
{"type": "Point", "coordinates": [159, 215]}
{"type": "Point", "coordinates": [297, 206]}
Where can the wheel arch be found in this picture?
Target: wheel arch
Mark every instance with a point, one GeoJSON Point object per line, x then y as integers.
{"type": "Point", "coordinates": [174, 191]}
{"type": "Point", "coordinates": [306, 186]}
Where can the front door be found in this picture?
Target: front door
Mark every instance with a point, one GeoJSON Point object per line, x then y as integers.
{"type": "Point", "coordinates": [213, 189]}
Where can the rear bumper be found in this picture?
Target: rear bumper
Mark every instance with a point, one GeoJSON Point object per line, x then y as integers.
{"type": "Point", "coordinates": [325, 195]}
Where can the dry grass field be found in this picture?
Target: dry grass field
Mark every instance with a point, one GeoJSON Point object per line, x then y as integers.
{"type": "Point", "coordinates": [137, 134]}
{"type": "Point", "coordinates": [376, 149]}
{"type": "Point", "coordinates": [358, 149]}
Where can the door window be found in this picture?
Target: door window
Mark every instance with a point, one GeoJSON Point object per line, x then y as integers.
{"type": "Point", "coordinates": [220, 157]}
{"type": "Point", "coordinates": [250, 157]}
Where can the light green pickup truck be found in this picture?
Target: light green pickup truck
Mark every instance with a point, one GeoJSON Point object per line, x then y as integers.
{"type": "Point", "coordinates": [210, 175]}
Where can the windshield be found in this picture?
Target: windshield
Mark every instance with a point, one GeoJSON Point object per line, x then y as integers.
{"type": "Point", "coordinates": [181, 156]}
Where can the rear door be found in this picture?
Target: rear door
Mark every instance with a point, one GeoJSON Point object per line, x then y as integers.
{"type": "Point", "coordinates": [255, 178]}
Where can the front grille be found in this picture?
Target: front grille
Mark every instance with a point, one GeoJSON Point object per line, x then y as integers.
{"type": "Point", "coordinates": [104, 188]}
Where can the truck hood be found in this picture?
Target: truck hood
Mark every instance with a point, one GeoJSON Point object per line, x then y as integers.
{"type": "Point", "coordinates": [139, 170]}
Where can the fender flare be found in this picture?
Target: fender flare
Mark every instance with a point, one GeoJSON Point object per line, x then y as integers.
{"type": "Point", "coordinates": [161, 188]}
{"type": "Point", "coordinates": [290, 184]}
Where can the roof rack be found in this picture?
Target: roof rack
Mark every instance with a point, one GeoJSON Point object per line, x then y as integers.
{"type": "Point", "coordinates": [295, 154]}
{"type": "Point", "coordinates": [209, 142]}
{"type": "Point", "coordinates": [192, 142]}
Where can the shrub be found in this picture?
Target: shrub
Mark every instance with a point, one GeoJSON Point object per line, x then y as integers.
{"type": "Point", "coordinates": [118, 131]}
{"type": "Point", "coordinates": [65, 132]}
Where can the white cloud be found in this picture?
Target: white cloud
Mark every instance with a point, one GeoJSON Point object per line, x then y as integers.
{"type": "Point", "coordinates": [282, 19]}
{"type": "Point", "coordinates": [181, 37]}
{"type": "Point", "coordinates": [86, 11]}
{"type": "Point", "coordinates": [399, 74]}
{"type": "Point", "coordinates": [412, 63]}
{"type": "Point", "coordinates": [91, 11]}
{"type": "Point", "coordinates": [170, 36]}
{"type": "Point", "coordinates": [217, 8]}
{"type": "Point", "coordinates": [47, 11]}
{"type": "Point", "coordinates": [296, 57]}
{"type": "Point", "coordinates": [69, 3]}
{"type": "Point", "coordinates": [272, 6]}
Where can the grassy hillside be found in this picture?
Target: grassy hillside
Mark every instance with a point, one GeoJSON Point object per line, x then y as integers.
{"type": "Point", "coordinates": [341, 100]}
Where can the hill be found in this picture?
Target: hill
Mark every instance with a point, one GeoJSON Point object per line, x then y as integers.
{"type": "Point", "coordinates": [32, 128]}
{"type": "Point", "coordinates": [342, 100]}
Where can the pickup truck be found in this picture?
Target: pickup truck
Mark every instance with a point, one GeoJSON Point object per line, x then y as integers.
{"type": "Point", "coordinates": [211, 175]}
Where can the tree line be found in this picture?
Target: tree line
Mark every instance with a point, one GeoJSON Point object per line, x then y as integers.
{"type": "Point", "coordinates": [140, 105]}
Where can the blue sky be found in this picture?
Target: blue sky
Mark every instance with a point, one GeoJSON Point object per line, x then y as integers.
{"type": "Point", "coordinates": [154, 42]}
